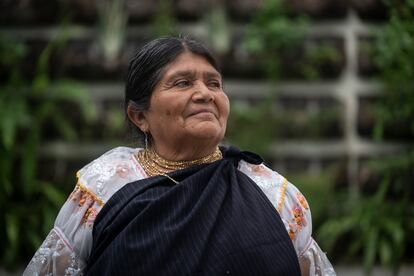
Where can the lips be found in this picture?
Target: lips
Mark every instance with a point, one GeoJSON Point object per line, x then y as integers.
{"type": "Point", "coordinates": [203, 110]}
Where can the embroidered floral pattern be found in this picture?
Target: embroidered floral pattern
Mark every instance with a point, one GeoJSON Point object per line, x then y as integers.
{"type": "Point", "coordinates": [123, 170]}
{"type": "Point", "coordinates": [260, 170]}
{"type": "Point", "coordinates": [53, 248]}
{"type": "Point", "coordinates": [101, 178]}
{"type": "Point", "coordinates": [282, 195]}
{"type": "Point", "coordinates": [302, 200]}
{"type": "Point", "coordinates": [90, 216]}
{"type": "Point", "coordinates": [83, 196]}
{"type": "Point", "coordinates": [298, 221]}
{"type": "Point", "coordinates": [260, 174]}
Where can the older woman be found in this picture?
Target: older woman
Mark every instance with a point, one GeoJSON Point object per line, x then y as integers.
{"type": "Point", "coordinates": [181, 205]}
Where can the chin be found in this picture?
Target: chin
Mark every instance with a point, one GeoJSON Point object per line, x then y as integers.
{"type": "Point", "coordinates": [207, 130]}
{"type": "Point", "coordinates": [208, 133]}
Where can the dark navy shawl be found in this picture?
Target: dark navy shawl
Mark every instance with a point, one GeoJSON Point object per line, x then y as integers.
{"type": "Point", "coordinates": [216, 221]}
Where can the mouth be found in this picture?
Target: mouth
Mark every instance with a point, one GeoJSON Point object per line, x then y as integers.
{"type": "Point", "coordinates": [203, 112]}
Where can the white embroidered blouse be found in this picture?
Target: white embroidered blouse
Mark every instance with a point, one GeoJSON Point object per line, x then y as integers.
{"type": "Point", "coordinates": [68, 245]}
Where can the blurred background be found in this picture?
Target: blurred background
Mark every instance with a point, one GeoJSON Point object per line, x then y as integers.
{"type": "Point", "coordinates": [322, 89]}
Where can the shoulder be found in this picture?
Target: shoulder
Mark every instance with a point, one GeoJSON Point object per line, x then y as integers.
{"type": "Point", "coordinates": [109, 172]}
{"type": "Point", "coordinates": [270, 182]}
{"type": "Point", "coordinates": [288, 201]}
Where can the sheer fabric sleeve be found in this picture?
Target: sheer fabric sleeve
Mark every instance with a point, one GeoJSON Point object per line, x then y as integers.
{"type": "Point", "coordinates": [68, 245]}
{"type": "Point", "coordinates": [295, 214]}
{"type": "Point", "coordinates": [65, 249]}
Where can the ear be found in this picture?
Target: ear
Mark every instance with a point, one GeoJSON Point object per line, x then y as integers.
{"type": "Point", "coordinates": [138, 118]}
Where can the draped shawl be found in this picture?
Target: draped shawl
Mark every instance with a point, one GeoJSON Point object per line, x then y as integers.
{"type": "Point", "coordinates": [216, 221]}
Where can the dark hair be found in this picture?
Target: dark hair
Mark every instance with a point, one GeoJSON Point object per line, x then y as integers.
{"type": "Point", "coordinates": [146, 70]}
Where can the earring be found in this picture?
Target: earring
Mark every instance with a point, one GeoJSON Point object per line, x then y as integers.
{"type": "Point", "coordinates": [146, 140]}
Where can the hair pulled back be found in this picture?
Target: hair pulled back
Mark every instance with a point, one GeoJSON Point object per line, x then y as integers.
{"type": "Point", "coordinates": [146, 70]}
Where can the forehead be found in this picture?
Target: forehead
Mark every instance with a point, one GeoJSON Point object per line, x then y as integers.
{"type": "Point", "coordinates": [188, 61]}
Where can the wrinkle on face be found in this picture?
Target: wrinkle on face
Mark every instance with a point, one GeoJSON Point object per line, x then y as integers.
{"type": "Point", "coordinates": [172, 116]}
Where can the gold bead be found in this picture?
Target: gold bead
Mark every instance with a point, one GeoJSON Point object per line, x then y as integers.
{"type": "Point", "coordinates": [153, 164]}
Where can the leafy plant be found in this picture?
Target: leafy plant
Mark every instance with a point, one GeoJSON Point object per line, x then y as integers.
{"type": "Point", "coordinates": [270, 35]}
{"type": "Point", "coordinates": [252, 127]}
{"type": "Point", "coordinates": [113, 18]}
{"type": "Point", "coordinates": [164, 21]}
{"type": "Point", "coordinates": [28, 203]}
{"type": "Point", "coordinates": [395, 59]}
{"type": "Point", "coordinates": [379, 224]}
{"type": "Point", "coordinates": [316, 56]}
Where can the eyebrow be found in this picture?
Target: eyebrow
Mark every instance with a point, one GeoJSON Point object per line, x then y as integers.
{"type": "Point", "coordinates": [192, 73]}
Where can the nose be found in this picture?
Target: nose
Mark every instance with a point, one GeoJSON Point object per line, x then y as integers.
{"type": "Point", "coordinates": [203, 94]}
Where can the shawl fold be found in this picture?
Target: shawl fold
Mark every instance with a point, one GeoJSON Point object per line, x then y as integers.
{"type": "Point", "coordinates": [216, 221]}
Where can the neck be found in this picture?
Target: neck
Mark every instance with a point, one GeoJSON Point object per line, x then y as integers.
{"type": "Point", "coordinates": [180, 153]}
{"type": "Point", "coordinates": [154, 164]}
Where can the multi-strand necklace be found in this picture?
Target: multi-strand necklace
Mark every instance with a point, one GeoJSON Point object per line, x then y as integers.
{"type": "Point", "coordinates": [153, 164]}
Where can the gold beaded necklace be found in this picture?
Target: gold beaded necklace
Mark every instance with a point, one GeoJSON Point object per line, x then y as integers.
{"type": "Point", "coordinates": [153, 164]}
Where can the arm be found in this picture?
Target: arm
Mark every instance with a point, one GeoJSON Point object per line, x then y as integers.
{"type": "Point", "coordinates": [67, 246]}
{"type": "Point", "coordinates": [295, 212]}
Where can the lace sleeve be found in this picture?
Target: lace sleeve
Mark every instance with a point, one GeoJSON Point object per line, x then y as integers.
{"type": "Point", "coordinates": [67, 246]}
{"type": "Point", "coordinates": [315, 260]}
{"type": "Point", "coordinates": [55, 257]}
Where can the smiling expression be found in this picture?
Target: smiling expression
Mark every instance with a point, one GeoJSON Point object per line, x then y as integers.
{"type": "Point", "coordinates": [188, 107]}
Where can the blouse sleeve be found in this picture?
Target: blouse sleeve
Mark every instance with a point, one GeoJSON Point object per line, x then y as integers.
{"type": "Point", "coordinates": [68, 245]}
{"type": "Point", "coordinates": [65, 249]}
{"type": "Point", "coordinates": [297, 218]}
{"type": "Point", "coordinates": [295, 214]}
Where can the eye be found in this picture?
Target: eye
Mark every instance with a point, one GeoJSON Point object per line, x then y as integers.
{"type": "Point", "coordinates": [182, 83]}
{"type": "Point", "coordinates": [214, 84]}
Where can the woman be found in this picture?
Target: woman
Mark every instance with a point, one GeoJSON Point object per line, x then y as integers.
{"type": "Point", "coordinates": [181, 205]}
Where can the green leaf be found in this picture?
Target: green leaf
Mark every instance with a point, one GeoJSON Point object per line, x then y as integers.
{"type": "Point", "coordinates": [385, 252]}
{"type": "Point", "coordinates": [370, 250]}
{"type": "Point", "coordinates": [12, 227]}
{"type": "Point", "coordinates": [52, 194]}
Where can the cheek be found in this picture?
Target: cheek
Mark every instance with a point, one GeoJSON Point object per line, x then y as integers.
{"type": "Point", "coordinates": [224, 106]}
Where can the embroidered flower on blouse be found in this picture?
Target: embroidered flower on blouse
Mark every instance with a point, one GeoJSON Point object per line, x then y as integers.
{"type": "Point", "coordinates": [292, 231]}
{"type": "Point", "coordinates": [299, 217]}
{"type": "Point", "coordinates": [75, 195]}
{"type": "Point", "coordinates": [122, 170]}
{"type": "Point", "coordinates": [298, 221]}
{"type": "Point", "coordinates": [260, 170]}
{"type": "Point", "coordinates": [90, 216]}
{"type": "Point", "coordinates": [302, 200]}
{"type": "Point", "coordinates": [83, 198]}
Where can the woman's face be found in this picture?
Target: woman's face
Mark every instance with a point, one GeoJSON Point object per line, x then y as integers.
{"type": "Point", "coordinates": [188, 107]}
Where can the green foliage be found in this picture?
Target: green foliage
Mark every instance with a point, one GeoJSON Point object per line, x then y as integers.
{"type": "Point", "coordinates": [379, 225]}
{"type": "Point", "coordinates": [269, 35]}
{"type": "Point", "coordinates": [395, 59]}
{"type": "Point", "coordinates": [113, 18]}
{"type": "Point", "coordinates": [273, 34]}
{"type": "Point", "coordinates": [164, 22]}
{"type": "Point", "coordinates": [218, 28]}
{"type": "Point", "coordinates": [316, 56]}
{"type": "Point", "coordinates": [29, 204]}
{"type": "Point", "coordinates": [252, 127]}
